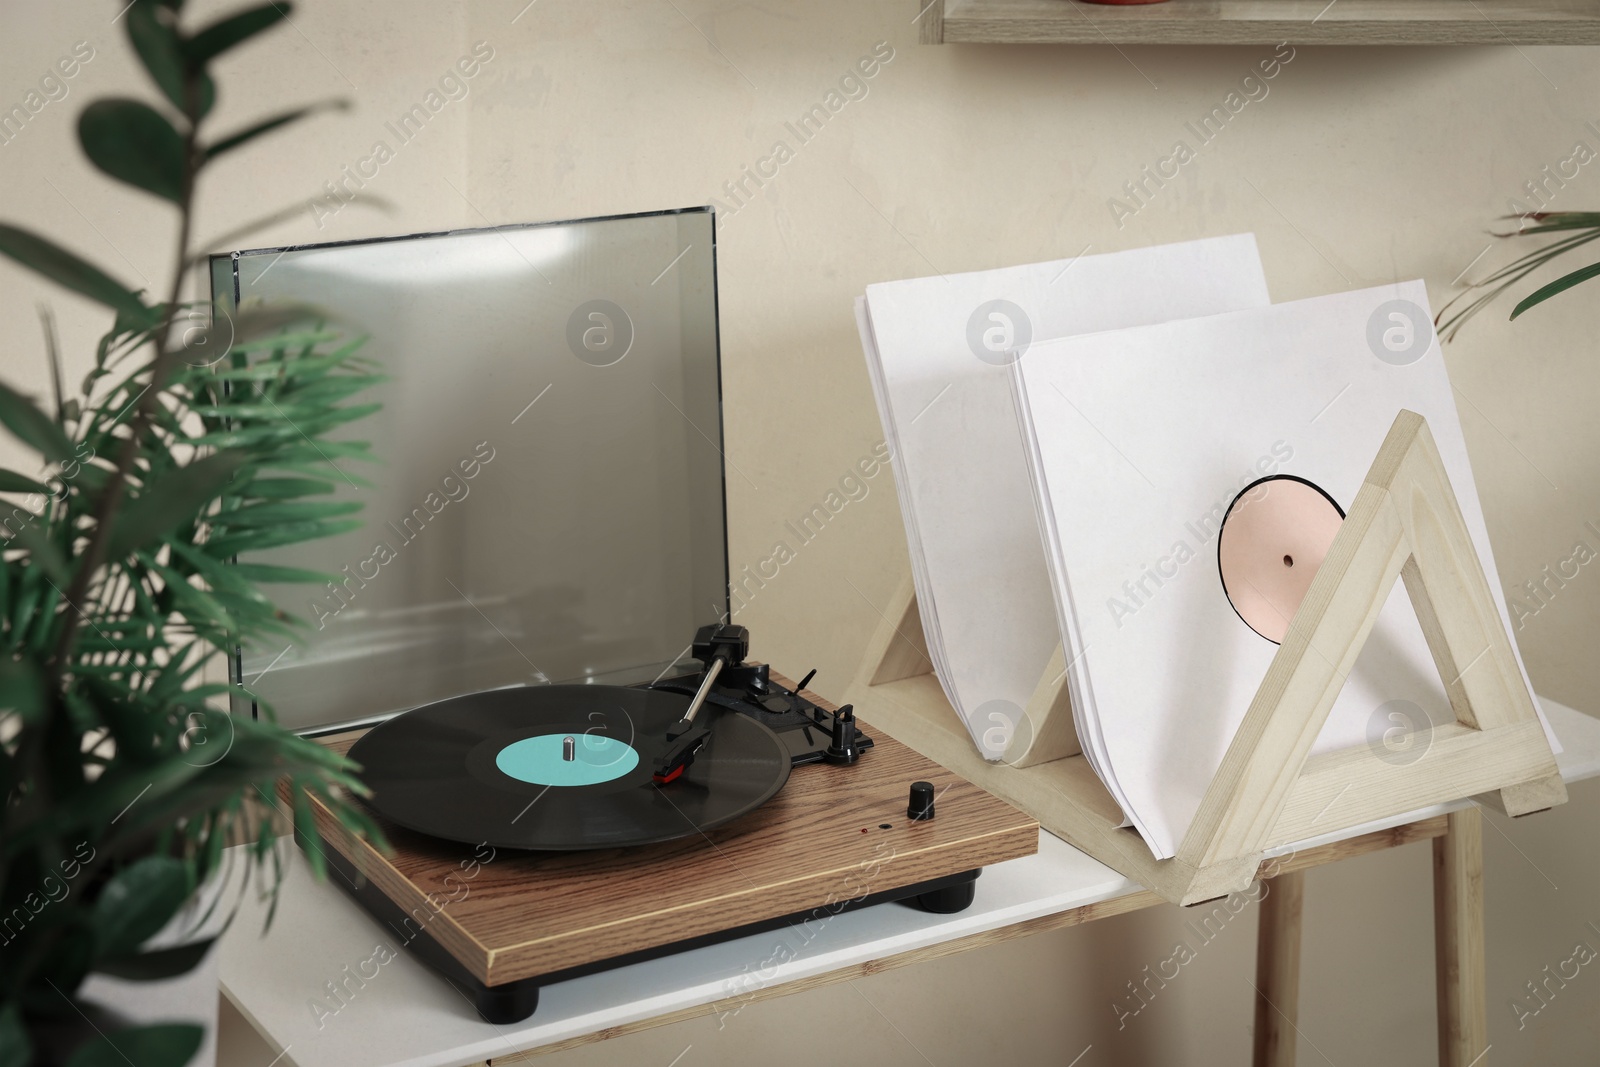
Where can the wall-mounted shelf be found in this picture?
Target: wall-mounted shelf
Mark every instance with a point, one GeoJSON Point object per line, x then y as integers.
{"type": "Point", "coordinates": [1262, 22]}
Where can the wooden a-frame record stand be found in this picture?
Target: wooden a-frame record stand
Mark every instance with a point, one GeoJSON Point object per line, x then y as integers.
{"type": "Point", "coordinates": [1269, 792]}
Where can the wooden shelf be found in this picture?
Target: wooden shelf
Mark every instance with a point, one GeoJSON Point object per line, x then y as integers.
{"type": "Point", "coordinates": [1263, 22]}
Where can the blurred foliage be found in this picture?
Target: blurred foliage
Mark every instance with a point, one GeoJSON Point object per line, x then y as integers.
{"type": "Point", "coordinates": [187, 444]}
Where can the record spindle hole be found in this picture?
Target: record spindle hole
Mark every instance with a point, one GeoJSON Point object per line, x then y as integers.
{"type": "Point", "coordinates": [569, 749]}
{"type": "Point", "coordinates": [1274, 537]}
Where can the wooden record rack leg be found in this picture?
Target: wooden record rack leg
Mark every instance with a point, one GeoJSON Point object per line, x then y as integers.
{"type": "Point", "coordinates": [1278, 971]}
{"type": "Point", "coordinates": [1458, 940]}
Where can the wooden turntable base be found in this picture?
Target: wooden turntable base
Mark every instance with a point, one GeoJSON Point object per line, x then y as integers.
{"type": "Point", "coordinates": [832, 836]}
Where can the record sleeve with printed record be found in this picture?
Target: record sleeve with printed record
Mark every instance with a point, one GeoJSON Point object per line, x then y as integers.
{"type": "Point", "coordinates": [564, 768]}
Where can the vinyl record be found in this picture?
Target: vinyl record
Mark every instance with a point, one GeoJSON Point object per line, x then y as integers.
{"type": "Point", "coordinates": [563, 767]}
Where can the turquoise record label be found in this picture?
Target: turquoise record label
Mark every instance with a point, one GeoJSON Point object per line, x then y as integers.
{"type": "Point", "coordinates": [542, 761]}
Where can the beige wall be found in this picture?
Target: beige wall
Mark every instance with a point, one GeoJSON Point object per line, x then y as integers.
{"type": "Point", "coordinates": [1360, 166]}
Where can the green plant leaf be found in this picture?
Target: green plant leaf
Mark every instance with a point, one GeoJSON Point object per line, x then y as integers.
{"type": "Point", "coordinates": [138, 901]}
{"type": "Point", "coordinates": [172, 500]}
{"type": "Point", "coordinates": [205, 612]}
{"type": "Point", "coordinates": [156, 965]}
{"type": "Point", "coordinates": [16, 1050]}
{"type": "Point", "coordinates": [227, 585]}
{"type": "Point", "coordinates": [161, 1045]}
{"type": "Point", "coordinates": [282, 465]}
{"type": "Point", "coordinates": [132, 142]}
{"type": "Point", "coordinates": [90, 642]}
{"type": "Point", "coordinates": [234, 29]}
{"type": "Point", "coordinates": [31, 536]}
{"type": "Point", "coordinates": [271, 370]}
{"type": "Point", "coordinates": [21, 691]}
{"type": "Point", "coordinates": [156, 43]}
{"type": "Point", "coordinates": [285, 488]}
{"type": "Point", "coordinates": [277, 536]}
{"type": "Point", "coordinates": [273, 574]}
{"type": "Point", "coordinates": [305, 828]}
{"type": "Point", "coordinates": [12, 482]}
{"type": "Point", "coordinates": [32, 426]}
{"type": "Point", "coordinates": [1547, 221]}
{"type": "Point", "coordinates": [93, 477]}
{"type": "Point", "coordinates": [230, 326]}
{"type": "Point", "coordinates": [288, 340]}
{"type": "Point", "coordinates": [68, 962]}
{"type": "Point", "coordinates": [1583, 227]}
{"type": "Point", "coordinates": [23, 600]}
{"type": "Point", "coordinates": [66, 269]}
{"type": "Point", "coordinates": [257, 515]}
{"type": "Point", "coordinates": [125, 335]}
{"type": "Point", "coordinates": [328, 389]}
{"type": "Point", "coordinates": [250, 133]}
{"type": "Point", "coordinates": [1560, 285]}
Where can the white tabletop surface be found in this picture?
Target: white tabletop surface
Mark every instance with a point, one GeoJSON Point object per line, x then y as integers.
{"type": "Point", "coordinates": [407, 1016]}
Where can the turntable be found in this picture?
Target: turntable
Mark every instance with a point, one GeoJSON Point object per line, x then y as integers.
{"type": "Point", "coordinates": [567, 787]}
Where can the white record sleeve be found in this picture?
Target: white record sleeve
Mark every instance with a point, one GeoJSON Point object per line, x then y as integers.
{"type": "Point", "coordinates": [938, 351]}
{"type": "Point", "coordinates": [1141, 441]}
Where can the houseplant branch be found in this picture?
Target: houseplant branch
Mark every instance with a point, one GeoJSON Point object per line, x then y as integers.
{"type": "Point", "coordinates": [118, 585]}
{"type": "Point", "coordinates": [1577, 228]}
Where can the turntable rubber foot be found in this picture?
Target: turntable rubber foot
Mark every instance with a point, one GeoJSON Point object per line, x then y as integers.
{"type": "Point", "coordinates": [949, 900]}
{"type": "Point", "coordinates": [507, 1004]}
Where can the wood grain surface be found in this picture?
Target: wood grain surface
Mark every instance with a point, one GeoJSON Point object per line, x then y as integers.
{"type": "Point", "coordinates": [1405, 523]}
{"type": "Point", "coordinates": [1263, 22]}
{"type": "Point", "coordinates": [1458, 941]}
{"type": "Point", "coordinates": [820, 842]}
{"type": "Point", "coordinates": [1277, 984]}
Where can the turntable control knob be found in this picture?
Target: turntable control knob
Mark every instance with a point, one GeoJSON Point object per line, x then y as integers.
{"type": "Point", "coordinates": [921, 808]}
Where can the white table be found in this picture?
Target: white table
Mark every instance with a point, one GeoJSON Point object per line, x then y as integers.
{"type": "Point", "coordinates": [406, 1016]}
